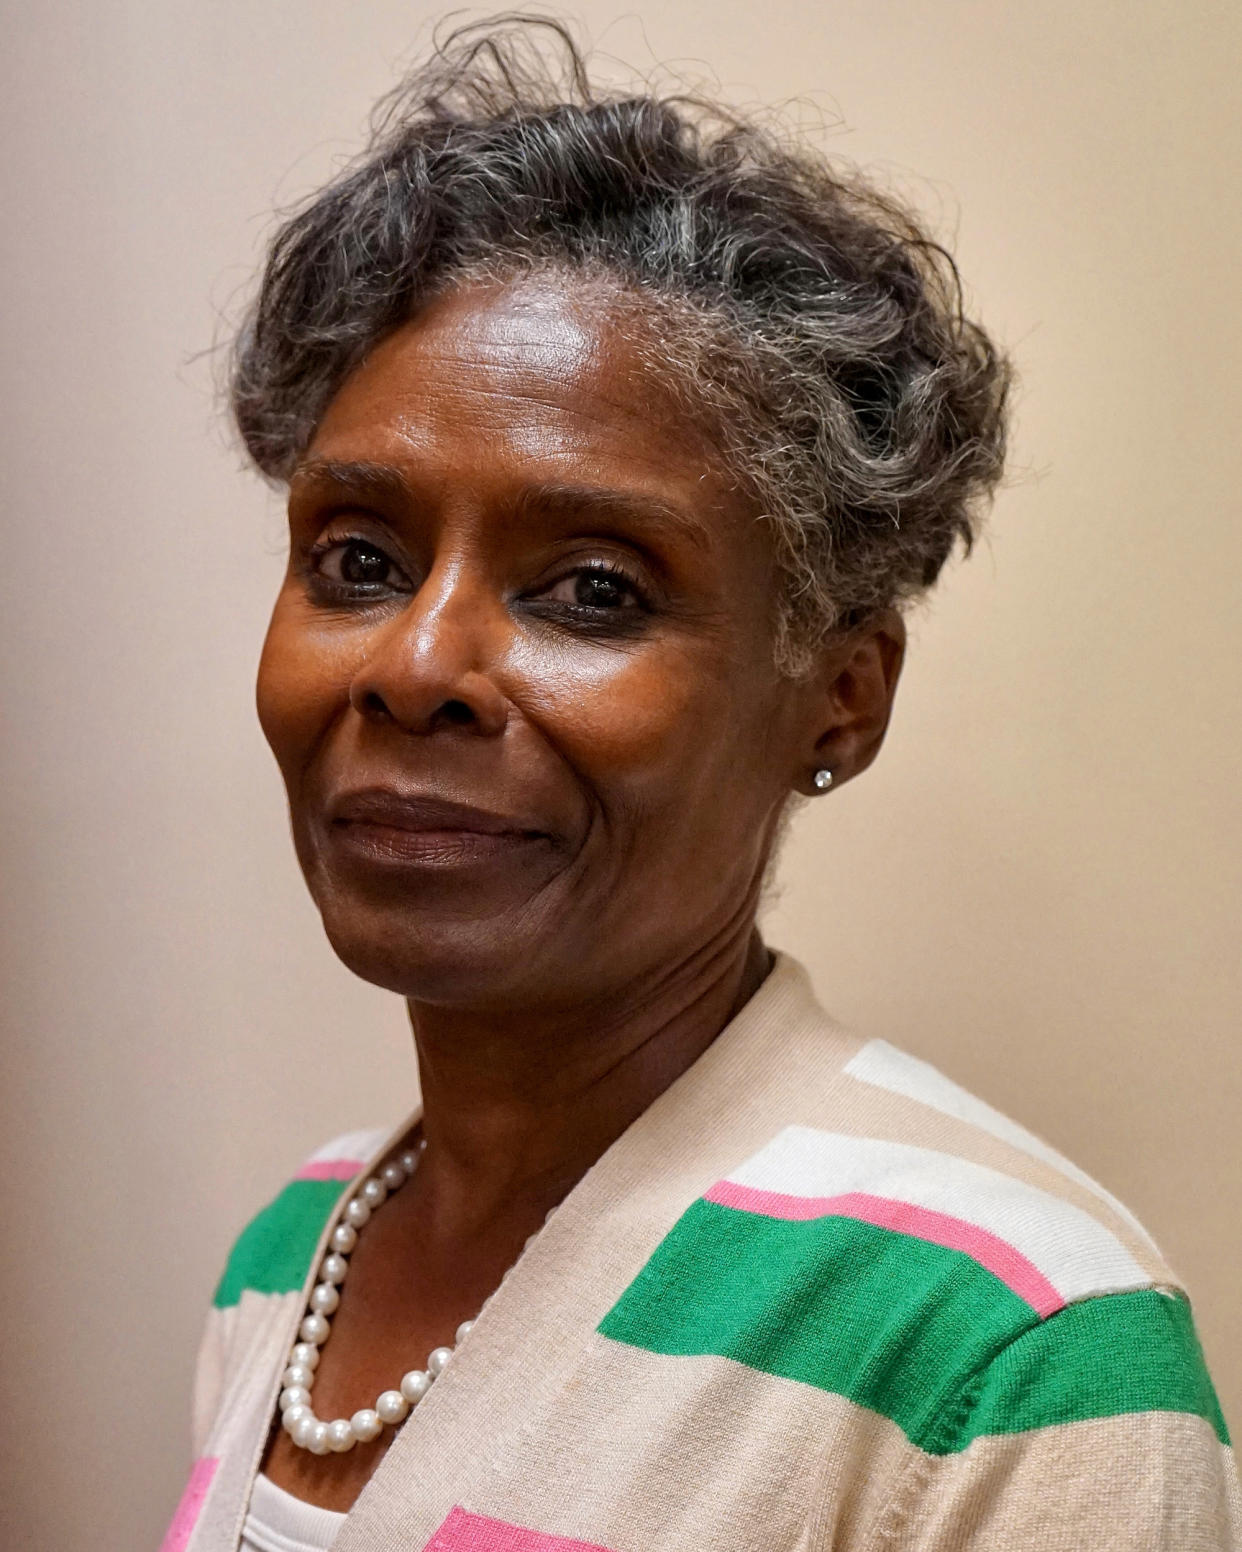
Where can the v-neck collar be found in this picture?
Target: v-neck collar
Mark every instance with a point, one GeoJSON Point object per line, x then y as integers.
{"type": "Point", "coordinates": [571, 1271]}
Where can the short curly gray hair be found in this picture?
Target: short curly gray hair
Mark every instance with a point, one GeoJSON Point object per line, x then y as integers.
{"type": "Point", "coordinates": [805, 317]}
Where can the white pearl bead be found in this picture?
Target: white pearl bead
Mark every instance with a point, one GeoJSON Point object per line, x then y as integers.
{"type": "Point", "coordinates": [334, 1268]}
{"type": "Point", "coordinates": [391, 1406]}
{"type": "Point", "coordinates": [340, 1435]}
{"type": "Point", "coordinates": [437, 1361]}
{"type": "Point", "coordinates": [314, 1329]}
{"type": "Point", "coordinates": [292, 1416]}
{"type": "Point", "coordinates": [324, 1298]}
{"type": "Point", "coordinates": [414, 1386]}
{"type": "Point", "coordinates": [303, 1429]}
{"type": "Point", "coordinates": [357, 1214]}
{"type": "Point", "coordinates": [317, 1440]}
{"type": "Point", "coordinates": [409, 1160]}
{"type": "Point", "coordinates": [299, 1374]}
{"type": "Point", "coordinates": [344, 1238]}
{"type": "Point", "coordinates": [294, 1395]}
{"type": "Point", "coordinates": [305, 1353]}
{"type": "Point", "coordinates": [463, 1331]}
{"type": "Point", "coordinates": [373, 1193]}
{"type": "Point", "coordinates": [393, 1176]}
{"type": "Point", "coordinates": [366, 1425]}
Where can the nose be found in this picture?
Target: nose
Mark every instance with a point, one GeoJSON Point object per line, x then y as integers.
{"type": "Point", "coordinates": [431, 667]}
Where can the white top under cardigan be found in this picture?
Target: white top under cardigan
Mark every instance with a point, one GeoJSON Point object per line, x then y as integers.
{"type": "Point", "coordinates": [279, 1522]}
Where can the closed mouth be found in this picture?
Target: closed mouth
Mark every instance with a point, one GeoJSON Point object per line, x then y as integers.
{"type": "Point", "coordinates": [416, 827]}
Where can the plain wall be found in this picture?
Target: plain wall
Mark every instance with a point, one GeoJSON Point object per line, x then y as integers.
{"type": "Point", "coordinates": [1039, 886]}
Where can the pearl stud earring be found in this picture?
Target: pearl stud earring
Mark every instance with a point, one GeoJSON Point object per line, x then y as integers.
{"type": "Point", "coordinates": [822, 780]}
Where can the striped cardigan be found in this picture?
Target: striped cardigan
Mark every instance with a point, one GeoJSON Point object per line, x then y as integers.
{"type": "Point", "coordinates": [816, 1297]}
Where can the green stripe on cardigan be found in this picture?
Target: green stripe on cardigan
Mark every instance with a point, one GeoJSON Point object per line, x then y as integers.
{"type": "Point", "coordinates": [921, 1334]}
{"type": "Point", "coordinates": [273, 1252]}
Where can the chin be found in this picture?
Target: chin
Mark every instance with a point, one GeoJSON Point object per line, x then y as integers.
{"type": "Point", "coordinates": [453, 963]}
{"type": "Point", "coordinates": [464, 937]}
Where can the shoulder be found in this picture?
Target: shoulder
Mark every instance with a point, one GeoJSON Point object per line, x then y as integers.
{"type": "Point", "coordinates": [898, 1243]}
{"type": "Point", "coordinates": [881, 1136]}
{"type": "Point", "coordinates": [273, 1253]}
{"type": "Point", "coordinates": [929, 1176]}
{"type": "Point", "coordinates": [1033, 1343]}
{"type": "Point", "coordinates": [917, 1137]}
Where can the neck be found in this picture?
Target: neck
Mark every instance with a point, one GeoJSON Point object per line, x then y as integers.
{"type": "Point", "coordinates": [517, 1110]}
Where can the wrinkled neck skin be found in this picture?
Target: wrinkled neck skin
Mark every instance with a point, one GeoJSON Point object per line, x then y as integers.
{"type": "Point", "coordinates": [516, 1110]}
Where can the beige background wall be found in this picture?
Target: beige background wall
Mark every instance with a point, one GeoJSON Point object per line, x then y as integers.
{"type": "Point", "coordinates": [1040, 885]}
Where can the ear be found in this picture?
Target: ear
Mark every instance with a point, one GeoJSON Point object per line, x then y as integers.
{"type": "Point", "coordinates": [849, 700]}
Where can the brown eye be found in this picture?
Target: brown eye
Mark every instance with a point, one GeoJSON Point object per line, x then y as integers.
{"type": "Point", "coordinates": [358, 564]}
{"type": "Point", "coordinates": [363, 563]}
{"type": "Point", "coordinates": [597, 588]}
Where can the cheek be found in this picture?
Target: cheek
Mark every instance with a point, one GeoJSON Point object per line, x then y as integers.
{"type": "Point", "coordinates": [662, 733]}
{"type": "Point", "coordinates": [302, 687]}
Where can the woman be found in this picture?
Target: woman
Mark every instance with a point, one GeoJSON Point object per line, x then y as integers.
{"type": "Point", "coordinates": [615, 436]}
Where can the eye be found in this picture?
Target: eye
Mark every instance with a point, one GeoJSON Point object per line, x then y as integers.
{"type": "Point", "coordinates": [356, 567]}
{"type": "Point", "coordinates": [597, 587]}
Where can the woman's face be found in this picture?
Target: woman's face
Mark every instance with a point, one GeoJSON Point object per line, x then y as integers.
{"type": "Point", "coordinates": [519, 678]}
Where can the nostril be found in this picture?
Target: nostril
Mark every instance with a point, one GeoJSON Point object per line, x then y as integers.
{"type": "Point", "coordinates": [404, 710]}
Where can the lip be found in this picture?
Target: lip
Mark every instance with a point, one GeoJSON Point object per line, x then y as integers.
{"type": "Point", "coordinates": [404, 828]}
{"type": "Point", "coordinates": [418, 812]}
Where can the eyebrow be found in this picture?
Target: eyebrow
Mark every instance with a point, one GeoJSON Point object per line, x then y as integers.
{"type": "Point", "coordinates": [559, 502]}
{"type": "Point", "coordinates": [358, 477]}
{"type": "Point", "coordinates": [567, 502]}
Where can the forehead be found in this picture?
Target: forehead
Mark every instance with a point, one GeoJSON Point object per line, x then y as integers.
{"type": "Point", "coordinates": [536, 380]}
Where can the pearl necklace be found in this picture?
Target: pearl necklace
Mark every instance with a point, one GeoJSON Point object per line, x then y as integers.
{"type": "Point", "coordinates": [297, 1417]}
